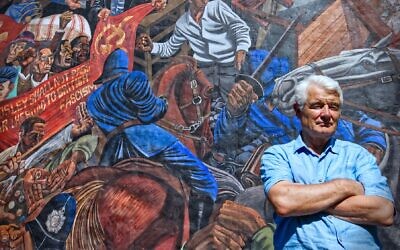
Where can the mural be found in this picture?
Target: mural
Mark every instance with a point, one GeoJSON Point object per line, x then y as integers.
{"type": "Point", "coordinates": [122, 126]}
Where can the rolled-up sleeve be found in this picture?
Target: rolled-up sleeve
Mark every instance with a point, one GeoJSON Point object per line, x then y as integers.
{"type": "Point", "coordinates": [274, 167]}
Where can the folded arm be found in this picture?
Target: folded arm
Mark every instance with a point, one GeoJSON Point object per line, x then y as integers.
{"type": "Point", "coordinates": [363, 209]}
{"type": "Point", "coordinates": [293, 199]}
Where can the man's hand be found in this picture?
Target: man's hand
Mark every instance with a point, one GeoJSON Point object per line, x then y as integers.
{"type": "Point", "coordinates": [35, 188]}
{"type": "Point", "coordinates": [12, 237]}
{"type": "Point", "coordinates": [61, 175]}
{"type": "Point", "coordinates": [73, 4]}
{"type": "Point", "coordinates": [65, 18]}
{"type": "Point", "coordinates": [240, 97]}
{"type": "Point", "coordinates": [233, 226]}
{"type": "Point", "coordinates": [159, 4]}
{"type": "Point", "coordinates": [144, 43]}
{"type": "Point", "coordinates": [11, 166]}
{"type": "Point", "coordinates": [103, 14]}
{"type": "Point", "coordinates": [84, 126]}
{"type": "Point", "coordinates": [240, 56]}
{"type": "Point", "coordinates": [215, 236]}
{"type": "Point", "coordinates": [375, 151]}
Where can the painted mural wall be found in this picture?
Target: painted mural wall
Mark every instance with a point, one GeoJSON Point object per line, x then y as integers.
{"type": "Point", "coordinates": [124, 124]}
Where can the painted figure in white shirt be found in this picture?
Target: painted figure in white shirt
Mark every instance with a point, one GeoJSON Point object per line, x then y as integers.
{"type": "Point", "coordinates": [218, 37]}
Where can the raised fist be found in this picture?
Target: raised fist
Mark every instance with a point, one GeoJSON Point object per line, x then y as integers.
{"type": "Point", "coordinates": [144, 43]}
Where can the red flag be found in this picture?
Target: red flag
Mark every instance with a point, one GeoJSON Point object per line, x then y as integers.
{"type": "Point", "coordinates": [9, 30]}
{"type": "Point", "coordinates": [117, 32]}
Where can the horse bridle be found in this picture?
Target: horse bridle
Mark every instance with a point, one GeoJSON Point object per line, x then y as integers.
{"type": "Point", "coordinates": [188, 131]}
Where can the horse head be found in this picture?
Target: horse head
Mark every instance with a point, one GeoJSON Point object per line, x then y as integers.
{"type": "Point", "coordinates": [187, 91]}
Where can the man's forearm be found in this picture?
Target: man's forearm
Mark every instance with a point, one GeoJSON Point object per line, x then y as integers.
{"type": "Point", "coordinates": [292, 199]}
{"type": "Point", "coordinates": [362, 209]}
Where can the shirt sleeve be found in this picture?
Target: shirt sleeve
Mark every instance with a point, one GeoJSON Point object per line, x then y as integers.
{"type": "Point", "coordinates": [275, 167]}
{"type": "Point", "coordinates": [170, 47]}
{"type": "Point", "coordinates": [369, 174]}
{"type": "Point", "coordinates": [240, 30]}
{"type": "Point", "coordinates": [227, 127]}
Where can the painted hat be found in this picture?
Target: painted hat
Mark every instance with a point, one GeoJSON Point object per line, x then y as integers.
{"type": "Point", "coordinates": [50, 229]}
{"type": "Point", "coordinates": [115, 65]}
{"type": "Point", "coordinates": [8, 73]}
{"type": "Point", "coordinates": [26, 36]}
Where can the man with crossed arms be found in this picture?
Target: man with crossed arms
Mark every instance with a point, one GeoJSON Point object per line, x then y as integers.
{"type": "Point", "coordinates": [327, 193]}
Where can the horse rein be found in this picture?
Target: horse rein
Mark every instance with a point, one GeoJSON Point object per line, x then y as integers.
{"type": "Point", "coordinates": [197, 100]}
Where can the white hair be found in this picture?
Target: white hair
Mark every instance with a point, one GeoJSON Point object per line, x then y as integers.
{"type": "Point", "coordinates": [301, 89]}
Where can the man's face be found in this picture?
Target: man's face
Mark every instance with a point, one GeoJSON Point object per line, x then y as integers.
{"type": "Point", "coordinates": [15, 48]}
{"type": "Point", "coordinates": [198, 4]}
{"type": "Point", "coordinates": [44, 61]}
{"type": "Point", "coordinates": [321, 112]}
{"type": "Point", "coordinates": [5, 89]}
{"type": "Point", "coordinates": [33, 137]}
{"type": "Point", "coordinates": [26, 57]}
{"type": "Point", "coordinates": [81, 50]}
{"type": "Point", "coordinates": [65, 55]}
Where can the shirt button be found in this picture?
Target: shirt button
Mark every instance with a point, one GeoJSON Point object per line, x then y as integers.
{"type": "Point", "coordinates": [320, 180]}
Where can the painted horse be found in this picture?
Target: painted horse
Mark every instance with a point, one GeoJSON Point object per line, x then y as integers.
{"type": "Point", "coordinates": [136, 204]}
{"type": "Point", "coordinates": [188, 93]}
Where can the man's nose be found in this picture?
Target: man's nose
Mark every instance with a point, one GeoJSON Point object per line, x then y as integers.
{"type": "Point", "coordinates": [325, 112]}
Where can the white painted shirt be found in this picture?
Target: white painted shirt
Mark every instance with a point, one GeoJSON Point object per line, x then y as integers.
{"type": "Point", "coordinates": [220, 33]}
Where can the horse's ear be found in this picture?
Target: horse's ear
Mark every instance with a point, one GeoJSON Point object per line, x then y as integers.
{"type": "Point", "coordinates": [384, 42]}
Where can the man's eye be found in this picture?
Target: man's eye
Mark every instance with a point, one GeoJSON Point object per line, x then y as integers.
{"type": "Point", "coordinates": [316, 106]}
{"type": "Point", "coordinates": [334, 107]}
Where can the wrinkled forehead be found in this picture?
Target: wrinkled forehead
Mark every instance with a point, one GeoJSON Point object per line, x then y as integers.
{"type": "Point", "coordinates": [45, 52]}
{"type": "Point", "coordinates": [19, 43]}
{"type": "Point", "coordinates": [38, 127]}
{"type": "Point", "coordinates": [317, 93]}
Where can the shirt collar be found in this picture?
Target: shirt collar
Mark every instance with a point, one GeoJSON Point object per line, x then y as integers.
{"type": "Point", "coordinates": [300, 145]}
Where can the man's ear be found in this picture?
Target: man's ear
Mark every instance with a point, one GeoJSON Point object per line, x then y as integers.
{"type": "Point", "coordinates": [11, 86]}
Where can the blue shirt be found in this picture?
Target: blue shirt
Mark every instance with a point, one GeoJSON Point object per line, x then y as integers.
{"type": "Point", "coordinates": [295, 162]}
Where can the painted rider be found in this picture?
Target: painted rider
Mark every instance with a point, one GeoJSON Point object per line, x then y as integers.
{"type": "Point", "coordinates": [218, 37]}
{"type": "Point", "coordinates": [125, 108]}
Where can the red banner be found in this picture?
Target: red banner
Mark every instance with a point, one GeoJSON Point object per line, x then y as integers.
{"type": "Point", "coordinates": [117, 32]}
{"type": "Point", "coordinates": [55, 100]}
{"type": "Point", "coordinates": [9, 30]}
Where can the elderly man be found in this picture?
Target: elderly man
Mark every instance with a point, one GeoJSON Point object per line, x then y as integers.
{"type": "Point", "coordinates": [218, 37]}
{"type": "Point", "coordinates": [327, 193]}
